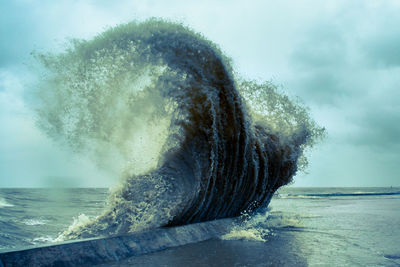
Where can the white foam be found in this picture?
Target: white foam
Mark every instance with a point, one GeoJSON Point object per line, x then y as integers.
{"type": "Point", "coordinates": [4, 203]}
{"type": "Point", "coordinates": [260, 226]}
{"type": "Point", "coordinates": [44, 239]}
{"type": "Point", "coordinates": [245, 234]}
{"type": "Point", "coordinates": [252, 228]}
{"type": "Point", "coordinates": [34, 222]}
{"type": "Point", "coordinates": [79, 221]}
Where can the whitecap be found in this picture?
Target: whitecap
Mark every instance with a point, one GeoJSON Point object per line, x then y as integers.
{"type": "Point", "coordinates": [44, 239]}
{"type": "Point", "coordinates": [34, 222]}
{"type": "Point", "coordinates": [4, 203]}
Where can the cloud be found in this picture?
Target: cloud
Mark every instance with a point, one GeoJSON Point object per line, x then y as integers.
{"type": "Point", "coordinates": [380, 43]}
{"type": "Point", "coordinates": [380, 130]}
{"type": "Point", "coordinates": [323, 46]}
{"type": "Point", "coordinates": [383, 51]}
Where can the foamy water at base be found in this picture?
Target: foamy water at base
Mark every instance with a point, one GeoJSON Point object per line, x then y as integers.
{"type": "Point", "coordinates": [33, 217]}
{"type": "Point", "coordinates": [343, 228]}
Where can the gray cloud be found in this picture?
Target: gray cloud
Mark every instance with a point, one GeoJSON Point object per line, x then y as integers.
{"type": "Point", "coordinates": [380, 130]}
{"type": "Point", "coordinates": [320, 87]}
{"type": "Point", "coordinates": [323, 46]}
{"type": "Point", "coordinates": [384, 51]}
{"type": "Point", "coordinates": [319, 58]}
{"type": "Point", "coordinates": [380, 45]}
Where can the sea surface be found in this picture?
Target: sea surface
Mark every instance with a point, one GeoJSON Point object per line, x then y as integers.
{"type": "Point", "coordinates": [302, 227]}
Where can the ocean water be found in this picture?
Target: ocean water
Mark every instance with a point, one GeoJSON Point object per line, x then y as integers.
{"type": "Point", "coordinates": [302, 227]}
{"type": "Point", "coordinates": [33, 217]}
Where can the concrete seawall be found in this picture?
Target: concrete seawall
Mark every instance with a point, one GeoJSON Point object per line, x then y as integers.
{"type": "Point", "coordinates": [115, 248]}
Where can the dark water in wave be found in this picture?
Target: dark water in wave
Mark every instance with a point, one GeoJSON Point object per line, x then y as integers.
{"type": "Point", "coordinates": [344, 227]}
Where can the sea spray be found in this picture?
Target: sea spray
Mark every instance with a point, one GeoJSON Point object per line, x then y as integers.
{"type": "Point", "coordinates": [159, 104]}
{"type": "Point", "coordinates": [261, 225]}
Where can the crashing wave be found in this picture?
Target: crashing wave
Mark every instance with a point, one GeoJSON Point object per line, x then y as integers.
{"type": "Point", "coordinates": [160, 104]}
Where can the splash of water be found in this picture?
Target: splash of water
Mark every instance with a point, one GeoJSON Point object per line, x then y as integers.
{"type": "Point", "coordinates": [159, 104]}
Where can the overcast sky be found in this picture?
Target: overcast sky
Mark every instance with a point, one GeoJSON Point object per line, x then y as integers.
{"type": "Point", "coordinates": [342, 58]}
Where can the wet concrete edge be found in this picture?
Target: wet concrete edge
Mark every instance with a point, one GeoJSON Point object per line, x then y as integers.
{"type": "Point", "coordinates": [115, 248]}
